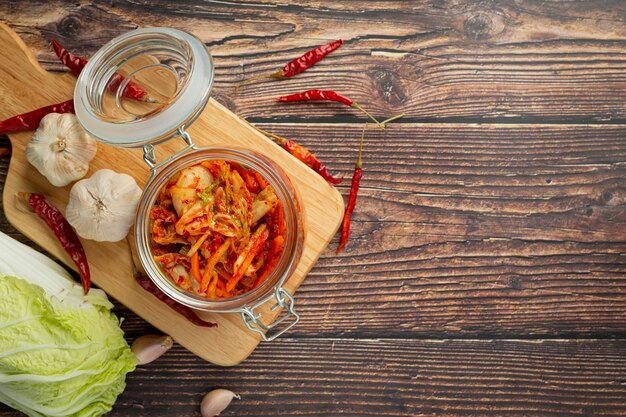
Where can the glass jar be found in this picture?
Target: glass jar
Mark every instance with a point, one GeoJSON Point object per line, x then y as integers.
{"type": "Point", "coordinates": [146, 87]}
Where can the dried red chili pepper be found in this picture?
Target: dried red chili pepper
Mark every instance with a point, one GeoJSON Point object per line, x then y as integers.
{"type": "Point", "coordinates": [327, 95]}
{"type": "Point", "coordinates": [307, 60]}
{"type": "Point", "coordinates": [132, 89]}
{"type": "Point", "coordinates": [64, 233]}
{"type": "Point", "coordinates": [71, 61]}
{"type": "Point", "coordinates": [147, 284]}
{"type": "Point", "coordinates": [354, 189]}
{"type": "Point", "coordinates": [300, 64]}
{"type": "Point", "coordinates": [31, 119]}
{"type": "Point", "coordinates": [304, 155]}
{"type": "Point", "coordinates": [77, 63]}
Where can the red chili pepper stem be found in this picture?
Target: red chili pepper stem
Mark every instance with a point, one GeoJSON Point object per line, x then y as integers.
{"type": "Point", "coordinates": [252, 79]}
{"type": "Point", "coordinates": [278, 75]}
{"type": "Point", "coordinates": [22, 200]}
{"type": "Point", "coordinates": [354, 189]}
{"type": "Point", "coordinates": [359, 162]}
{"type": "Point", "coordinates": [281, 141]}
{"type": "Point", "coordinates": [63, 231]}
{"type": "Point", "coordinates": [391, 119]}
{"type": "Point", "coordinates": [326, 95]}
{"type": "Point", "coordinates": [357, 106]}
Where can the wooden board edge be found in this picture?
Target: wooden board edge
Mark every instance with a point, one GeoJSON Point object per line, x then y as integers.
{"type": "Point", "coordinates": [28, 53]}
{"type": "Point", "coordinates": [338, 198]}
{"type": "Point", "coordinates": [56, 252]}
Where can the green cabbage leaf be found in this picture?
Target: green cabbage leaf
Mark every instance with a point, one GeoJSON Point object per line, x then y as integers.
{"type": "Point", "coordinates": [61, 353]}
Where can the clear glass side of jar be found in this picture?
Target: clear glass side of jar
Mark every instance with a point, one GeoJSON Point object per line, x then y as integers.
{"type": "Point", "coordinates": [294, 236]}
{"type": "Point", "coordinates": [144, 85]}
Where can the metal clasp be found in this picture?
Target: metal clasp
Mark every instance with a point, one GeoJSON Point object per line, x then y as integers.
{"type": "Point", "coordinates": [253, 321]}
{"type": "Point", "coordinates": [149, 155]}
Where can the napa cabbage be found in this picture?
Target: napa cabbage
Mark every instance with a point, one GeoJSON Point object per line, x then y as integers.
{"type": "Point", "coordinates": [62, 353]}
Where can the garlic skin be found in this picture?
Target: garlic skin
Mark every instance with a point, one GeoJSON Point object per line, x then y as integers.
{"type": "Point", "coordinates": [61, 149]}
{"type": "Point", "coordinates": [102, 207]}
{"type": "Point", "coordinates": [150, 347]}
{"type": "Point", "coordinates": [216, 401]}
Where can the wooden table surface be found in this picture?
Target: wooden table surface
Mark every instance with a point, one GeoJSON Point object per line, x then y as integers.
{"type": "Point", "coordinates": [486, 273]}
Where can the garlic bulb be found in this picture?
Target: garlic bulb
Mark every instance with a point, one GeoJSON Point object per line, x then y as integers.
{"type": "Point", "coordinates": [102, 207]}
{"type": "Point", "coordinates": [61, 149]}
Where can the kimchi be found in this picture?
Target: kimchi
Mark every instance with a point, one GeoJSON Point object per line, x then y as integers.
{"type": "Point", "coordinates": [218, 229]}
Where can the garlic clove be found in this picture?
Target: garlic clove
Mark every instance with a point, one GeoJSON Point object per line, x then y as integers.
{"type": "Point", "coordinates": [102, 207]}
{"type": "Point", "coordinates": [216, 401]}
{"type": "Point", "coordinates": [61, 149]}
{"type": "Point", "coordinates": [150, 347]}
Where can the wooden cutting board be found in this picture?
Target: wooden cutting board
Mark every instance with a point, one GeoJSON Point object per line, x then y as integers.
{"type": "Point", "coordinates": [25, 85]}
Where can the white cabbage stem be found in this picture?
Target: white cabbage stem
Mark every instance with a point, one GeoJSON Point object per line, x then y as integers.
{"type": "Point", "coordinates": [150, 347]}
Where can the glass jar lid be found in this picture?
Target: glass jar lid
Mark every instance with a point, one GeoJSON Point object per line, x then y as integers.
{"type": "Point", "coordinates": [144, 85]}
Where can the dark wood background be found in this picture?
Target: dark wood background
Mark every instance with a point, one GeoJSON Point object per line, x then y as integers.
{"type": "Point", "coordinates": [486, 274]}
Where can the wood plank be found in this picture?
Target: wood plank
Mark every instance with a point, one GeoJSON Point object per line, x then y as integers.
{"type": "Point", "coordinates": [466, 231]}
{"type": "Point", "coordinates": [23, 83]}
{"type": "Point", "coordinates": [330, 377]}
{"type": "Point", "coordinates": [464, 61]}
{"type": "Point", "coordinates": [473, 231]}
{"type": "Point", "coordinates": [461, 231]}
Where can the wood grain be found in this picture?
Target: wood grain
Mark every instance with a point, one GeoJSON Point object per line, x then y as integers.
{"type": "Point", "coordinates": [231, 341]}
{"type": "Point", "coordinates": [490, 257]}
{"type": "Point", "coordinates": [474, 230]}
{"type": "Point", "coordinates": [467, 231]}
{"type": "Point", "coordinates": [358, 378]}
{"type": "Point", "coordinates": [462, 61]}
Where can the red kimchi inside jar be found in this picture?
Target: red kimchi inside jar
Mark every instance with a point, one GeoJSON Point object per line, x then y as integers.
{"type": "Point", "coordinates": [218, 229]}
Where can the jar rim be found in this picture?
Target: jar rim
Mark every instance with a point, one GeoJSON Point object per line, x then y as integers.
{"type": "Point", "coordinates": [181, 111]}
{"type": "Point", "coordinates": [286, 265]}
